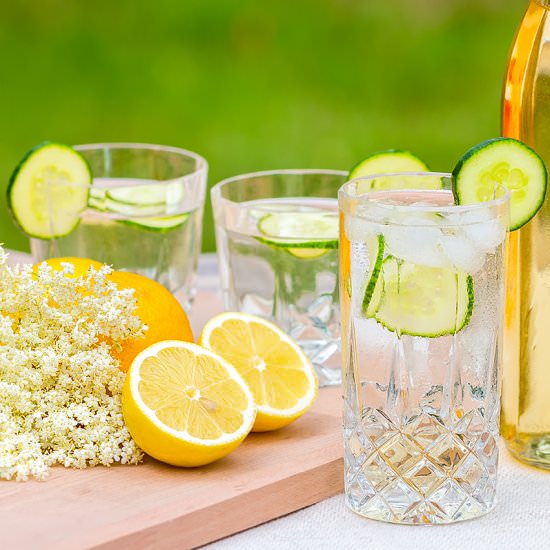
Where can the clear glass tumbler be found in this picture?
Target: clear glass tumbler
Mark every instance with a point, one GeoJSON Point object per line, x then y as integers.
{"type": "Point", "coordinates": [422, 291]}
{"type": "Point", "coordinates": [143, 214]}
{"type": "Point", "coordinates": [277, 241]}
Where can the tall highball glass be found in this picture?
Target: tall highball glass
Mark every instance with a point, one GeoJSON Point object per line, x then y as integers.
{"type": "Point", "coordinates": [422, 295]}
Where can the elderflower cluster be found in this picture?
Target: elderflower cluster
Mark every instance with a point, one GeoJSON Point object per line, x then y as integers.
{"type": "Point", "coordinates": [60, 389]}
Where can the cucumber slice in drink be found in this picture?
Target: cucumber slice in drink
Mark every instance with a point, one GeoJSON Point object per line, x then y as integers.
{"type": "Point", "coordinates": [410, 304]}
{"type": "Point", "coordinates": [373, 289]}
{"type": "Point", "coordinates": [286, 230]}
{"type": "Point", "coordinates": [134, 206]}
{"type": "Point", "coordinates": [97, 193]}
{"type": "Point", "coordinates": [157, 224]}
{"type": "Point", "coordinates": [503, 161]}
{"type": "Point", "coordinates": [130, 210]}
{"type": "Point", "coordinates": [101, 199]}
{"type": "Point", "coordinates": [393, 161]}
{"type": "Point", "coordinates": [48, 190]}
{"type": "Point", "coordinates": [96, 204]}
{"type": "Point", "coordinates": [155, 194]}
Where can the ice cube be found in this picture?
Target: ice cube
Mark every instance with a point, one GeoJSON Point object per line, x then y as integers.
{"type": "Point", "coordinates": [461, 252]}
{"type": "Point", "coordinates": [486, 236]}
{"type": "Point", "coordinates": [459, 240]}
{"type": "Point", "coordinates": [484, 230]}
{"type": "Point", "coordinates": [417, 241]}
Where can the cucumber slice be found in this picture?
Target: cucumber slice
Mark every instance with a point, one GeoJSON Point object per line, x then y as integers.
{"type": "Point", "coordinates": [129, 210]}
{"type": "Point", "coordinates": [503, 161]}
{"type": "Point", "coordinates": [162, 225]}
{"type": "Point", "coordinates": [96, 204]}
{"type": "Point", "coordinates": [139, 215]}
{"type": "Point", "coordinates": [99, 199]}
{"type": "Point", "coordinates": [155, 194]}
{"type": "Point", "coordinates": [48, 190]}
{"type": "Point", "coordinates": [97, 193]}
{"type": "Point", "coordinates": [393, 161]}
{"type": "Point", "coordinates": [373, 289]}
{"type": "Point", "coordinates": [424, 301]}
{"type": "Point", "coordinates": [286, 229]}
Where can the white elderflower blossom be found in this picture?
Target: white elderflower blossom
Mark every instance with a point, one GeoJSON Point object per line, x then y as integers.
{"type": "Point", "coordinates": [60, 387]}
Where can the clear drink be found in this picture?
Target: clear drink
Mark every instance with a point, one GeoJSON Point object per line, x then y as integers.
{"type": "Point", "coordinates": [137, 222]}
{"type": "Point", "coordinates": [277, 240]}
{"type": "Point", "coordinates": [422, 306]}
{"type": "Point", "coordinates": [526, 385]}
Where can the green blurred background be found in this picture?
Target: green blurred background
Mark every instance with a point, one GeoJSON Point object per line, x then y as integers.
{"type": "Point", "coordinates": [253, 85]}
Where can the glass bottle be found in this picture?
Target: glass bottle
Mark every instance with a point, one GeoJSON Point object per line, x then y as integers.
{"type": "Point", "coordinates": [525, 420]}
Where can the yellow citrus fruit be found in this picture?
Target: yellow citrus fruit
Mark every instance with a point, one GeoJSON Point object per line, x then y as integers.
{"type": "Point", "coordinates": [158, 309]}
{"type": "Point", "coordinates": [81, 265]}
{"type": "Point", "coordinates": [81, 268]}
{"type": "Point", "coordinates": [185, 405]}
{"type": "Point", "coordinates": [278, 373]}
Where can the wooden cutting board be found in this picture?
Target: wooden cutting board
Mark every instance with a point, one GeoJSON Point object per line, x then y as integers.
{"type": "Point", "coordinates": [157, 506]}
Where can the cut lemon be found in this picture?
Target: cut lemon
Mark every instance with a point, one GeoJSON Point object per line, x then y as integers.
{"type": "Point", "coordinates": [278, 373]}
{"type": "Point", "coordinates": [185, 405]}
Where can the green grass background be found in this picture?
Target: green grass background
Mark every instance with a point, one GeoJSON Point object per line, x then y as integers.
{"type": "Point", "coordinates": [253, 85]}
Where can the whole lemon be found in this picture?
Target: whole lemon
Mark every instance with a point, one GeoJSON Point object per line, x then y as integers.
{"type": "Point", "coordinates": [81, 265]}
{"type": "Point", "coordinates": [158, 309]}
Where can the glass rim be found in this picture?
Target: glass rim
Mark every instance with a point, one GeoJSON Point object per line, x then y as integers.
{"type": "Point", "coordinates": [374, 197]}
{"type": "Point", "coordinates": [202, 162]}
{"type": "Point", "coordinates": [201, 169]}
{"type": "Point", "coordinates": [216, 189]}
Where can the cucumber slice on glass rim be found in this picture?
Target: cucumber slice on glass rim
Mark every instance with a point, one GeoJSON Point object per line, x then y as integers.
{"type": "Point", "coordinates": [48, 190]}
{"type": "Point", "coordinates": [408, 303]}
{"type": "Point", "coordinates": [507, 162]}
{"type": "Point", "coordinates": [287, 229]}
{"type": "Point", "coordinates": [393, 161]}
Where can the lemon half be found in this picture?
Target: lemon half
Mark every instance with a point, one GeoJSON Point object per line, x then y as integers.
{"type": "Point", "coordinates": [277, 371]}
{"type": "Point", "coordinates": [186, 405]}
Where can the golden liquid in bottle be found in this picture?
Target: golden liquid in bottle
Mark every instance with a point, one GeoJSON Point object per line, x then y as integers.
{"type": "Point", "coordinates": [525, 422]}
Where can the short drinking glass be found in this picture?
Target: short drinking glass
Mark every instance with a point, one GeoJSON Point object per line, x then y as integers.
{"type": "Point", "coordinates": [422, 308]}
{"type": "Point", "coordinates": [143, 214]}
{"type": "Point", "coordinates": [277, 241]}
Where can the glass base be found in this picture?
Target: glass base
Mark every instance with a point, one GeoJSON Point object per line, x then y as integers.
{"type": "Point", "coordinates": [422, 472]}
{"type": "Point", "coordinates": [531, 450]}
{"type": "Point", "coordinates": [422, 516]}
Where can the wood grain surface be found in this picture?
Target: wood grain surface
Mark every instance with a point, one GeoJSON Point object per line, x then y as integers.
{"type": "Point", "coordinates": [156, 506]}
